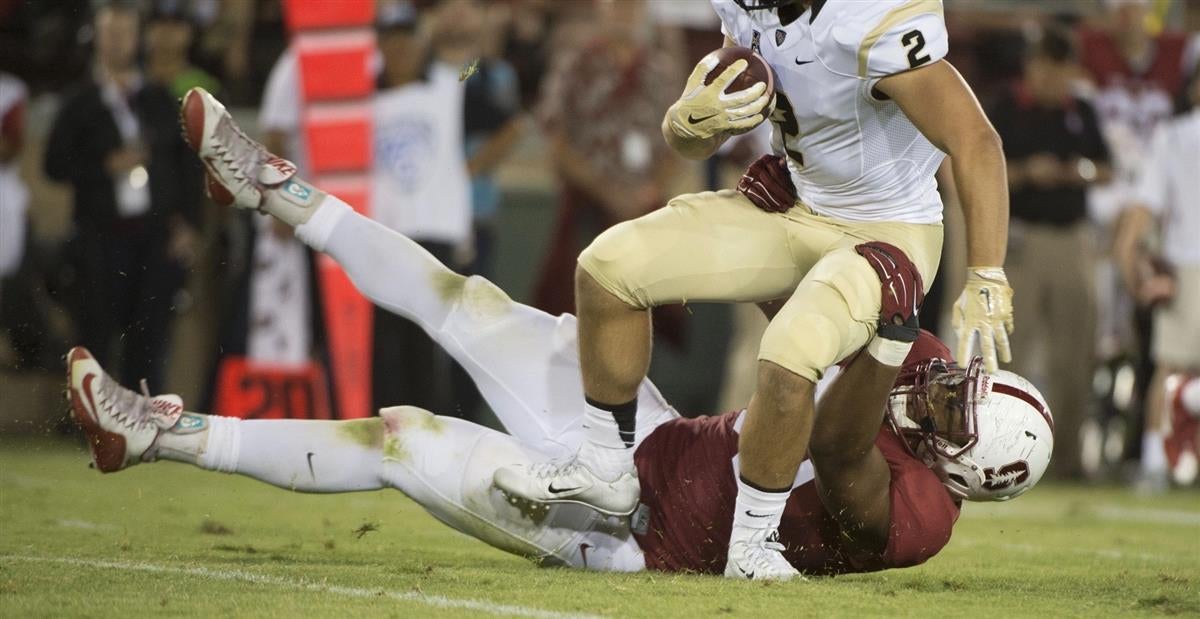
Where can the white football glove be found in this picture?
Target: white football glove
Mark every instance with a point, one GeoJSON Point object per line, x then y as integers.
{"type": "Point", "coordinates": [984, 307]}
{"type": "Point", "coordinates": [704, 111]}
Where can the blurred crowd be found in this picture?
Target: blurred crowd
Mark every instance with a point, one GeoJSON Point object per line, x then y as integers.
{"type": "Point", "coordinates": [106, 238]}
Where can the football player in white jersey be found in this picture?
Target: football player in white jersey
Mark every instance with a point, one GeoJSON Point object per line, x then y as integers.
{"type": "Point", "coordinates": [865, 108]}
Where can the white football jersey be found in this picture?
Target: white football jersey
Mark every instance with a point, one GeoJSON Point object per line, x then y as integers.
{"type": "Point", "coordinates": [852, 156]}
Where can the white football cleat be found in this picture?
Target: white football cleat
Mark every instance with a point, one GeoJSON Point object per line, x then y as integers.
{"type": "Point", "coordinates": [239, 169]}
{"type": "Point", "coordinates": [570, 482]}
{"type": "Point", "coordinates": [120, 425]}
{"type": "Point", "coordinates": [758, 556]}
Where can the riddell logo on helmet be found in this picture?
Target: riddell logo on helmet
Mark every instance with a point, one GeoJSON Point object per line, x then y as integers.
{"type": "Point", "coordinates": [1006, 476]}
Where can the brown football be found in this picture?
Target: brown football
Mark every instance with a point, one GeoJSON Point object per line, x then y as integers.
{"type": "Point", "coordinates": [757, 70]}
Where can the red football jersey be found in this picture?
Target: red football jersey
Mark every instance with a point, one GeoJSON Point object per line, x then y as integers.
{"type": "Point", "coordinates": [688, 487]}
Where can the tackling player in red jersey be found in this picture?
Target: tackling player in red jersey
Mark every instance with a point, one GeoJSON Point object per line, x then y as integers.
{"type": "Point", "coordinates": [888, 497]}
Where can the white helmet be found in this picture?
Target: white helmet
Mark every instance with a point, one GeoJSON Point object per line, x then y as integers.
{"type": "Point", "coordinates": [1002, 445]}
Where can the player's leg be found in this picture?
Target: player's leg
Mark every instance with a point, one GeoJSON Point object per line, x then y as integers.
{"type": "Point", "coordinates": [446, 466]}
{"type": "Point", "coordinates": [443, 464]}
{"type": "Point", "coordinates": [124, 428]}
{"type": "Point", "coordinates": [700, 247]}
{"type": "Point", "coordinates": [523, 360]}
{"type": "Point", "coordinates": [830, 315]}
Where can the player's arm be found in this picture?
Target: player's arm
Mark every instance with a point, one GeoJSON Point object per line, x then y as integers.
{"type": "Point", "coordinates": [853, 478]}
{"type": "Point", "coordinates": [705, 116]}
{"type": "Point", "coordinates": [941, 105]}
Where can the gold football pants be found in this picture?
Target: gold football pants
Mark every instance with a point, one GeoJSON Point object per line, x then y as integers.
{"type": "Point", "coordinates": [718, 247]}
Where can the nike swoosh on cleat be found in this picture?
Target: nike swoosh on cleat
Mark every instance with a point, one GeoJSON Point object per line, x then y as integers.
{"type": "Point", "coordinates": [798, 61]}
{"type": "Point", "coordinates": [310, 467]}
{"type": "Point", "coordinates": [91, 404]}
{"type": "Point", "coordinates": [694, 120]}
{"type": "Point", "coordinates": [754, 515]}
{"type": "Point", "coordinates": [554, 490]}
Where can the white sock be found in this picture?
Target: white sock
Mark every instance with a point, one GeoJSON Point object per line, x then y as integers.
{"type": "Point", "coordinates": [302, 455]}
{"type": "Point", "coordinates": [600, 427]}
{"type": "Point", "coordinates": [604, 451]}
{"type": "Point", "coordinates": [315, 232]}
{"type": "Point", "coordinates": [207, 441]}
{"type": "Point", "coordinates": [756, 510]}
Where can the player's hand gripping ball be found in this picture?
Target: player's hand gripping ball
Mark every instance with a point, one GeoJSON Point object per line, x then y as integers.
{"type": "Point", "coordinates": [730, 91]}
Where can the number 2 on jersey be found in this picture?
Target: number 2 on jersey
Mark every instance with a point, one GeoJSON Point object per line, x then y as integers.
{"type": "Point", "coordinates": [914, 42]}
{"type": "Point", "coordinates": [785, 117]}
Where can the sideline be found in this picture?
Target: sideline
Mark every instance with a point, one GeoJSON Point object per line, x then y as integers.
{"type": "Point", "coordinates": [437, 601]}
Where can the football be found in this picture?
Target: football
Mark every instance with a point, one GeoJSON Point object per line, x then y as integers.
{"type": "Point", "coordinates": [757, 70]}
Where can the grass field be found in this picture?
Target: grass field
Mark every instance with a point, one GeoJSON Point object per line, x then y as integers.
{"type": "Point", "coordinates": [170, 539]}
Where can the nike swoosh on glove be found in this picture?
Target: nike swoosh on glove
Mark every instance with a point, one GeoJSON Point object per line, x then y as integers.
{"type": "Point", "coordinates": [902, 290]}
{"type": "Point", "coordinates": [768, 184]}
{"type": "Point", "coordinates": [703, 111]}
{"type": "Point", "coordinates": [985, 308]}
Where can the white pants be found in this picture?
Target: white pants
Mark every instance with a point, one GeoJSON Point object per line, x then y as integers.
{"type": "Point", "coordinates": [526, 365]}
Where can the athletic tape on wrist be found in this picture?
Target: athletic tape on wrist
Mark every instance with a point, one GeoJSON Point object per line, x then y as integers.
{"type": "Point", "coordinates": [891, 353]}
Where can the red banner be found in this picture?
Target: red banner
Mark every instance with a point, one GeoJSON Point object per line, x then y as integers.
{"type": "Point", "coordinates": [313, 14]}
{"type": "Point", "coordinates": [335, 44]}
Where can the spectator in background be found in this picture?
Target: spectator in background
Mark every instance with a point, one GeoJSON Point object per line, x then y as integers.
{"type": "Point", "coordinates": [1167, 199]}
{"type": "Point", "coordinates": [470, 35]}
{"type": "Point", "coordinates": [419, 187]}
{"type": "Point", "coordinates": [492, 123]}
{"type": "Point", "coordinates": [527, 37]}
{"type": "Point", "coordinates": [170, 34]}
{"type": "Point", "coordinates": [602, 107]}
{"type": "Point", "coordinates": [14, 195]}
{"type": "Point", "coordinates": [19, 313]}
{"type": "Point", "coordinates": [137, 191]}
{"type": "Point", "coordinates": [1137, 74]}
{"type": "Point", "coordinates": [1055, 150]}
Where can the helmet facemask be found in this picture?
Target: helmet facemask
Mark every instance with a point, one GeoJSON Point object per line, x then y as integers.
{"type": "Point", "coordinates": [931, 387]}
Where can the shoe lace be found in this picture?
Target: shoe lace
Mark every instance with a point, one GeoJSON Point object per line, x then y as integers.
{"type": "Point", "coordinates": [125, 405]}
{"type": "Point", "coordinates": [767, 552]}
{"type": "Point", "coordinates": [553, 468]}
{"type": "Point", "coordinates": [240, 155]}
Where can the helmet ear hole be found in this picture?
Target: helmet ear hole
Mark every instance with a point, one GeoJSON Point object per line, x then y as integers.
{"type": "Point", "coordinates": [958, 479]}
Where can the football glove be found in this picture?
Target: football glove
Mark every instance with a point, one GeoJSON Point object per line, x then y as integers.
{"type": "Point", "coordinates": [985, 307]}
{"type": "Point", "coordinates": [768, 184]}
{"type": "Point", "coordinates": [707, 110]}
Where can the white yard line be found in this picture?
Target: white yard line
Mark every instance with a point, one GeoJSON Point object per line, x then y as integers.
{"type": "Point", "coordinates": [437, 601]}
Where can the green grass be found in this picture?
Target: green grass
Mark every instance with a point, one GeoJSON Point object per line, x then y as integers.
{"type": "Point", "coordinates": [174, 540]}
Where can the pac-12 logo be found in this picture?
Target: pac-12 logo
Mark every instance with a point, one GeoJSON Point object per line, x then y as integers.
{"type": "Point", "coordinates": [298, 190]}
{"type": "Point", "coordinates": [1005, 476]}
